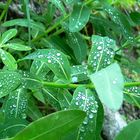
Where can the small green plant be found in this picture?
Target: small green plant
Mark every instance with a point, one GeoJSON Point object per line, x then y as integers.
{"type": "Point", "coordinates": [61, 66]}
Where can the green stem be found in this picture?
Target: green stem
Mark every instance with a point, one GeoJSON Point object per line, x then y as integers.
{"type": "Point", "coordinates": [57, 85]}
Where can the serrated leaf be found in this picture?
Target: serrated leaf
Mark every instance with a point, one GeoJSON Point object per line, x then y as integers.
{"type": "Point", "coordinates": [53, 126]}
{"type": "Point", "coordinates": [16, 46]}
{"type": "Point", "coordinates": [9, 81]}
{"type": "Point", "coordinates": [6, 36]}
{"type": "Point", "coordinates": [130, 132]}
{"type": "Point", "coordinates": [59, 5]}
{"type": "Point", "coordinates": [79, 17]}
{"type": "Point", "coordinates": [79, 73]}
{"type": "Point", "coordinates": [101, 54]}
{"type": "Point", "coordinates": [109, 86]}
{"type": "Point", "coordinates": [24, 23]}
{"type": "Point", "coordinates": [84, 99]}
{"type": "Point", "coordinates": [8, 60]}
{"type": "Point", "coordinates": [78, 45]}
{"type": "Point", "coordinates": [15, 107]}
{"type": "Point", "coordinates": [55, 60]}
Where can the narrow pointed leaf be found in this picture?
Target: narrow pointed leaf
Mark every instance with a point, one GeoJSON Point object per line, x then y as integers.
{"type": "Point", "coordinates": [101, 54]}
{"type": "Point", "coordinates": [8, 60]}
{"type": "Point", "coordinates": [53, 126]}
{"type": "Point", "coordinates": [109, 86]}
{"type": "Point", "coordinates": [55, 60]}
{"type": "Point", "coordinates": [78, 45]}
{"type": "Point", "coordinates": [16, 46]}
{"type": "Point", "coordinates": [6, 36]}
{"type": "Point", "coordinates": [79, 17]}
{"type": "Point", "coordinates": [84, 99]}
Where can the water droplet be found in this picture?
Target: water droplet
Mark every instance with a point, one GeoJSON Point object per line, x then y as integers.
{"type": "Point", "coordinates": [114, 82]}
{"type": "Point", "coordinates": [91, 116]}
{"type": "Point", "coordinates": [74, 79]}
{"type": "Point", "coordinates": [99, 48]}
{"type": "Point", "coordinates": [49, 61]}
{"type": "Point", "coordinates": [58, 54]}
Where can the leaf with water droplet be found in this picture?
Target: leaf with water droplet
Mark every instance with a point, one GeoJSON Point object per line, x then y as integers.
{"type": "Point", "coordinates": [16, 104]}
{"type": "Point", "coordinates": [79, 17]}
{"type": "Point", "coordinates": [59, 5]}
{"type": "Point", "coordinates": [109, 85]}
{"type": "Point", "coordinates": [65, 121]}
{"type": "Point", "coordinates": [101, 54]}
{"type": "Point", "coordinates": [6, 36]}
{"type": "Point", "coordinates": [39, 69]}
{"type": "Point", "coordinates": [55, 60]}
{"type": "Point", "coordinates": [9, 81]}
{"type": "Point", "coordinates": [84, 99]}
{"type": "Point", "coordinates": [8, 60]}
{"type": "Point", "coordinates": [132, 94]}
{"type": "Point", "coordinates": [79, 73]}
{"type": "Point", "coordinates": [78, 45]}
{"type": "Point", "coordinates": [121, 20]}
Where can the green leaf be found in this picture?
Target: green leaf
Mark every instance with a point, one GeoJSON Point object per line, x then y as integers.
{"type": "Point", "coordinates": [59, 5]}
{"type": "Point", "coordinates": [55, 60]}
{"type": "Point", "coordinates": [64, 98]}
{"type": "Point", "coordinates": [6, 36]}
{"type": "Point", "coordinates": [84, 99]}
{"type": "Point", "coordinates": [39, 69]}
{"type": "Point", "coordinates": [121, 20]}
{"type": "Point", "coordinates": [52, 127]}
{"type": "Point", "coordinates": [9, 81]}
{"type": "Point", "coordinates": [109, 86]}
{"type": "Point", "coordinates": [79, 17]}
{"type": "Point", "coordinates": [101, 54]}
{"type": "Point", "coordinates": [16, 46]}
{"type": "Point", "coordinates": [11, 128]}
{"type": "Point", "coordinates": [15, 107]}
{"type": "Point", "coordinates": [8, 60]}
{"type": "Point", "coordinates": [130, 132]}
{"type": "Point", "coordinates": [32, 111]}
{"type": "Point", "coordinates": [24, 23]}
{"type": "Point", "coordinates": [79, 73]}
{"type": "Point", "coordinates": [78, 45]}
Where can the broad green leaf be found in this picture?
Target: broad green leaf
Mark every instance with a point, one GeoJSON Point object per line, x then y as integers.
{"type": "Point", "coordinates": [24, 23]}
{"type": "Point", "coordinates": [39, 69]}
{"type": "Point", "coordinates": [78, 45]}
{"type": "Point", "coordinates": [101, 54]}
{"type": "Point", "coordinates": [8, 60]}
{"type": "Point", "coordinates": [135, 16]}
{"type": "Point", "coordinates": [84, 99]}
{"type": "Point", "coordinates": [79, 73]}
{"type": "Point", "coordinates": [15, 107]}
{"type": "Point", "coordinates": [9, 81]}
{"type": "Point", "coordinates": [79, 17]}
{"type": "Point", "coordinates": [16, 46]}
{"type": "Point", "coordinates": [59, 5]}
{"type": "Point", "coordinates": [109, 86]}
{"type": "Point", "coordinates": [130, 132]}
{"type": "Point", "coordinates": [11, 128]}
{"type": "Point", "coordinates": [53, 126]}
{"type": "Point", "coordinates": [55, 60]}
{"type": "Point", "coordinates": [6, 36]}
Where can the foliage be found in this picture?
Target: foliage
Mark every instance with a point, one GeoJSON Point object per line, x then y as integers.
{"type": "Point", "coordinates": [60, 65]}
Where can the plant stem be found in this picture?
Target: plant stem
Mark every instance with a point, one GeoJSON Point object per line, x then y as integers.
{"type": "Point", "coordinates": [57, 85]}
